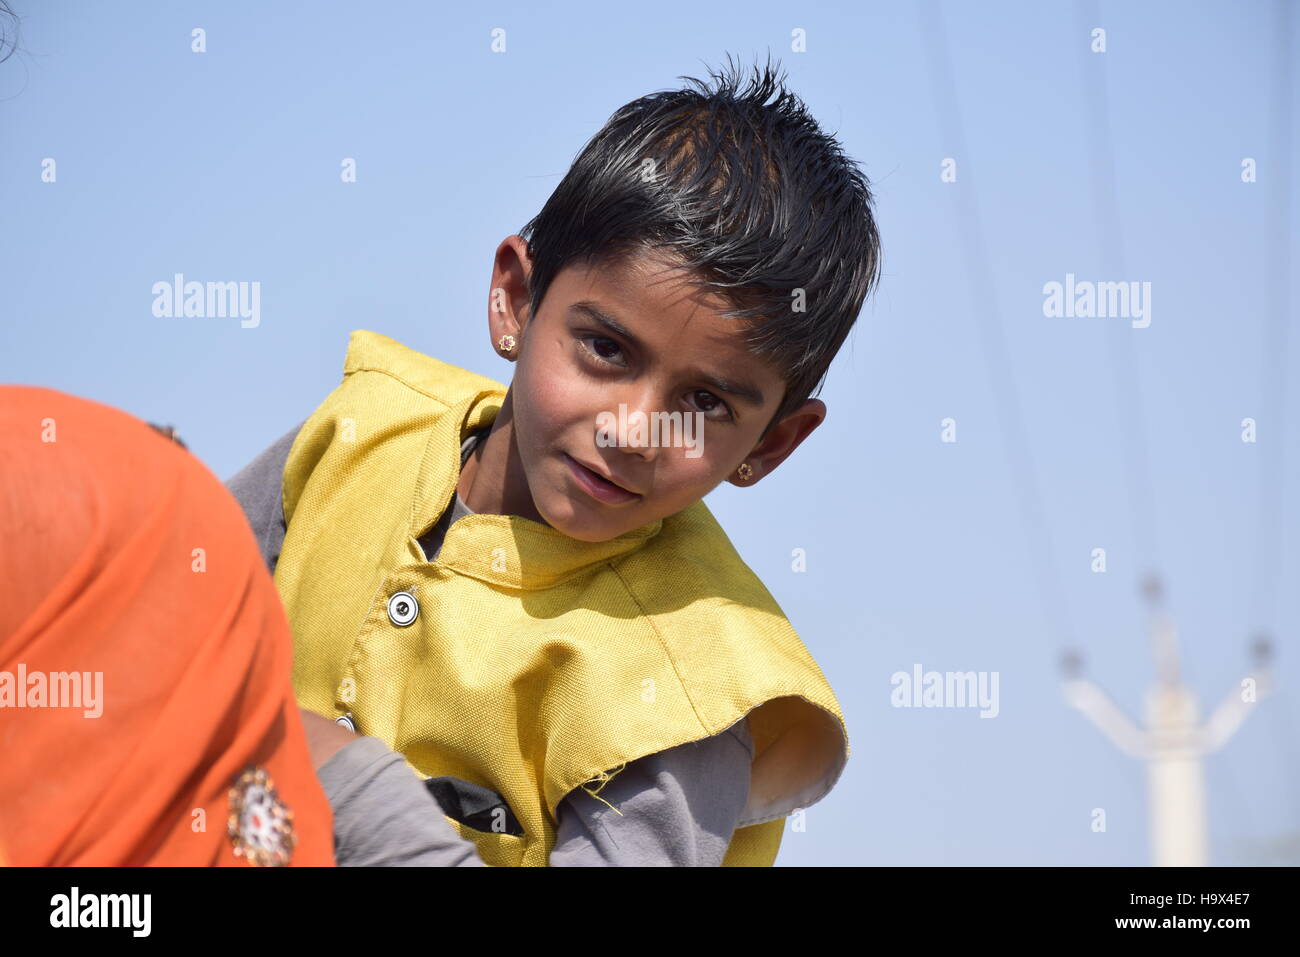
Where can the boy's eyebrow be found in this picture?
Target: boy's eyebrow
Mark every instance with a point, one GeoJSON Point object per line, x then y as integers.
{"type": "Point", "coordinates": [742, 390]}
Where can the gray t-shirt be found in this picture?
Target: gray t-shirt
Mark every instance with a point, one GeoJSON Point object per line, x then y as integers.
{"type": "Point", "coordinates": [675, 808]}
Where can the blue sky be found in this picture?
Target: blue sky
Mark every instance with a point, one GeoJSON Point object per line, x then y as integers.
{"type": "Point", "coordinates": [225, 165]}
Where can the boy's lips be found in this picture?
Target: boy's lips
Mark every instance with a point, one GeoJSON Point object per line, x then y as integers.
{"type": "Point", "coordinates": [597, 484]}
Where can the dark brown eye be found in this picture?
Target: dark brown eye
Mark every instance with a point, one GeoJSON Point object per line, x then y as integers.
{"type": "Point", "coordinates": [711, 404]}
{"type": "Point", "coordinates": [601, 353]}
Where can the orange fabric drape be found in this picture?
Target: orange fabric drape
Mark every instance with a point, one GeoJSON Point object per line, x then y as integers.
{"type": "Point", "coordinates": [122, 555]}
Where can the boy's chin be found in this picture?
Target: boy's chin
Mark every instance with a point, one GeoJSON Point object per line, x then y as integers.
{"type": "Point", "coordinates": [587, 527]}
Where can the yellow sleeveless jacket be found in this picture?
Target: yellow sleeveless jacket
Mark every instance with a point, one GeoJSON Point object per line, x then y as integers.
{"type": "Point", "coordinates": [537, 663]}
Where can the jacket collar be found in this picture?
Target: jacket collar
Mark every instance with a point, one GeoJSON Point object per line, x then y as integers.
{"type": "Point", "coordinates": [507, 550]}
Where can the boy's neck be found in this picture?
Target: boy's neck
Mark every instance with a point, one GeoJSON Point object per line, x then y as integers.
{"type": "Point", "coordinates": [494, 473]}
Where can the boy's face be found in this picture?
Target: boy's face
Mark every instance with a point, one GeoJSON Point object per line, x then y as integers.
{"type": "Point", "coordinates": [574, 371]}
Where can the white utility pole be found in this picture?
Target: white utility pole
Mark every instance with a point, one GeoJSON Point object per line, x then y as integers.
{"type": "Point", "coordinates": [1174, 742]}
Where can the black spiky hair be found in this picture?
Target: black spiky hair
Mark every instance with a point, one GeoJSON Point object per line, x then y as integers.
{"type": "Point", "coordinates": [751, 197]}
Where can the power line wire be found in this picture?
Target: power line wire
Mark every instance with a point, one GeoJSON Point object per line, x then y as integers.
{"type": "Point", "coordinates": [992, 339]}
{"type": "Point", "coordinates": [1128, 393]}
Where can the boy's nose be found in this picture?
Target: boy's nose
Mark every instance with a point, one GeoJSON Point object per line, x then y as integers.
{"type": "Point", "coordinates": [636, 425]}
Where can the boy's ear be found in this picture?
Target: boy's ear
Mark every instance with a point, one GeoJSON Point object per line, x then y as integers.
{"type": "Point", "coordinates": [784, 438]}
{"type": "Point", "coordinates": [508, 297]}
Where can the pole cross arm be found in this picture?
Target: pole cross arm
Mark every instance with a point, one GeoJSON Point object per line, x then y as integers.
{"type": "Point", "coordinates": [1106, 715]}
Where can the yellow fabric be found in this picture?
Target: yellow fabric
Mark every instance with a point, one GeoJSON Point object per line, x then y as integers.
{"type": "Point", "coordinates": [537, 661]}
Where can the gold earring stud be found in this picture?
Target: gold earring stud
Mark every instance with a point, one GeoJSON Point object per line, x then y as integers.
{"type": "Point", "coordinates": [507, 343]}
{"type": "Point", "coordinates": [744, 471]}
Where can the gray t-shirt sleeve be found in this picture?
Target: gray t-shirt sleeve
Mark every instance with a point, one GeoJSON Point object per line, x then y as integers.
{"type": "Point", "coordinates": [679, 808]}
{"type": "Point", "coordinates": [258, 487]}
{"type": "Point", "coordinates": [383, 814]}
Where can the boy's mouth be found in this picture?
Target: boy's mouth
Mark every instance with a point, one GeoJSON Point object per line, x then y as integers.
{"type": "Point", "coordinates": [597, 485]}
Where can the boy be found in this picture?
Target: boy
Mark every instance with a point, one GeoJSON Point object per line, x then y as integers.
{"type": "Point", "coordinates": [550, 627]}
